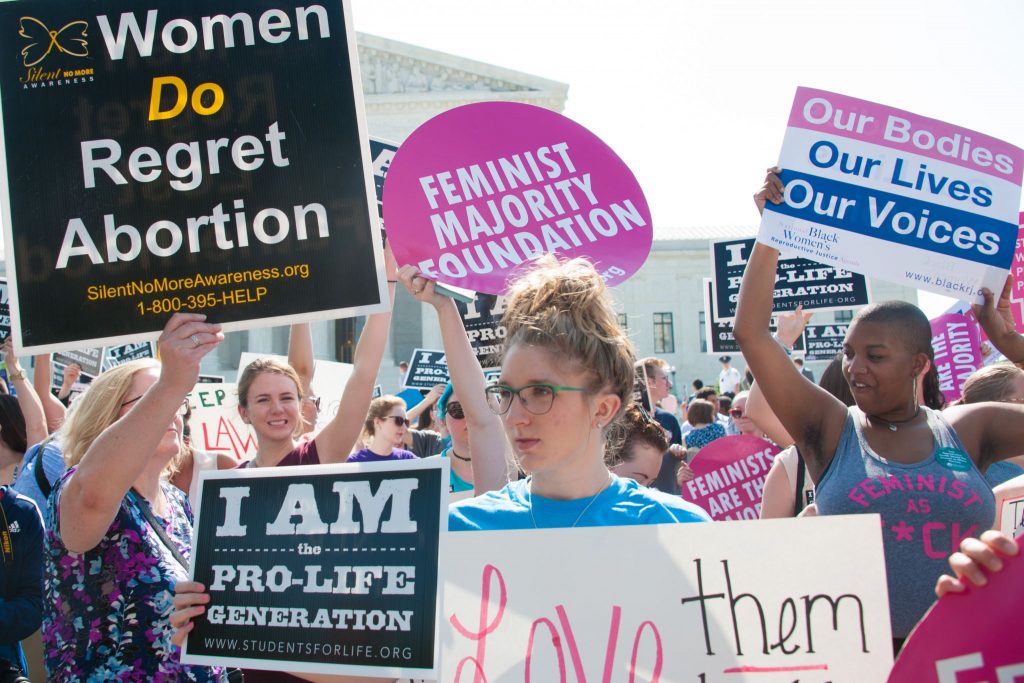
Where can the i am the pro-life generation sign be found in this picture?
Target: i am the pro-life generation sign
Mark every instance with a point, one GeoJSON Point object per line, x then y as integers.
{"type": "Point", "coordinates": [321, 569]}
{"type": "Point", "coordinates": [426, 369]}
{"type": "Point", "coordinates": [178, 155]}
{"type": "Point", "coordinates": [890, 194]}
{"type": "Point", "coordinates": [798, 281]}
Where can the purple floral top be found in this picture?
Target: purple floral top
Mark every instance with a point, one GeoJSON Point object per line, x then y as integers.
{"type": "Point", "coordinates": [106, 612]}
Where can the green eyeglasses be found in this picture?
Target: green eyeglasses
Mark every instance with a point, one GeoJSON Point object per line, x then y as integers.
{"type": "Point", "coordinates": [536, 398]}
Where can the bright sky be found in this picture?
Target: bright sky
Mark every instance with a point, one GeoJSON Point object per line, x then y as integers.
{"type": "Point", "coordinates": [694, 95]}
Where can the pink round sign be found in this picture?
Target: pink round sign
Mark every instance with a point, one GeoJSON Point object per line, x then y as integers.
{"type": "Point", "coordinates": [729, 476]}
{"type": "Point", "coordinates": [478, 191]}
{"type": "Point", "coordinates": [969, 637]}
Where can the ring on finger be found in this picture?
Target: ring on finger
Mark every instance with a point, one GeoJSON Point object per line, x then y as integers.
{"type": "Point", "coordinates": [195, 340]}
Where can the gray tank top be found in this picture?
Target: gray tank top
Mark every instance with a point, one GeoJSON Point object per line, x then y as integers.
{"type": "Point", "coordinates": [927, 508]}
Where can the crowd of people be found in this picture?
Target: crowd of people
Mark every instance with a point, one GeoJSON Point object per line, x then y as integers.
{"type": "Point", "coordinates": [101, 502]}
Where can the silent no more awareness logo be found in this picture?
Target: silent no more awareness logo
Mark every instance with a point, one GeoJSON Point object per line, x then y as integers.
{"type": "Point", "coordinates": [42, 47]}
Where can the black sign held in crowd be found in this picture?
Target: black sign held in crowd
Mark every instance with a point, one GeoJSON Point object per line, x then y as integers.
{"type": "Point", "coordinates": [482, 320]}
{"type": "Point", "coordinates": [797, 281]}
{"type": "Point", "coordinates": [90, 360]}
{"type": "Point", "coordinates": [381, 154]}
{"type": "Point", "coordinates": [191, 155]}
{"type": "Point", "coordinates": [426, 369]}
{"type": "Point", "coordinates": [324, 569]}
{"type": "Point", "coordinates": [57, 381]}
{"type": "Point", "coordinates": [119, 355]}
{"type": "Point", "coordinates": [718, 333]}
{"type": "Point", "coordinates": [824, 341]}
{"type": "Point", "coordinates": [5, 310]}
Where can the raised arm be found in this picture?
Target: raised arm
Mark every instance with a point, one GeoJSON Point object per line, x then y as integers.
{"type": "Point", "coordinates": [118, 456]}
{"type": "Point", "coordinates": [812, 416]}
{"type": "Point", "coordinates": [335, 441]}
{"type": "Point", "coordinates": [996, 319]}
{"type": "Point", "coordinates": [71, 374]}
{"type": "Point", "coordinates": [487, 440]}
{"type": "Point", "coordinates": [42, 380]}
{"type": "Point", "coordinates": [28, 401]}
{"type": "Point", "coordinates": [300, 353]}
{"type": "Point", "coordinates": [426, 404]}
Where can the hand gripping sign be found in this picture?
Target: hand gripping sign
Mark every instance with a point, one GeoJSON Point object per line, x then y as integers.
{"type": "Point", "coordinates": [729, 476]}
{"type": "Point", "coordinates": [476, 192]}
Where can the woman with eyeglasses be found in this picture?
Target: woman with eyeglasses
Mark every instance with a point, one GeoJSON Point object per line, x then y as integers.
{"type": "Point", "coordinates": [384, 432]}
{"type": "Point", "coordinates": [118, 537]}
{"type": "Point", "coordinates": [567, 374]}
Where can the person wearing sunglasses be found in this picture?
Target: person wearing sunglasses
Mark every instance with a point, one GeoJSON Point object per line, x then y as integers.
{"type": "Point", "coordinates": [384, 432]}
{"type": "Point", "coordinates": [567, 375]}
{"type": "Point", "coordinates": [740, 419]}
{"type": "Point", "coordinates": [453, 415]}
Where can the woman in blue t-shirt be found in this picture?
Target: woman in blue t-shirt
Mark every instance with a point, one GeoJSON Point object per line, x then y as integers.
{"type": "Point", "coordinates": [567, 375]}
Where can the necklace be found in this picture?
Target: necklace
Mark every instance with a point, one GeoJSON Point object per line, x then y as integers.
{"type": "Point", "coordinates": [452, 451]}
{"type": "Point", "coordinates": [593, 498]}
{"type": "Point", "coordinates": [894, 424]}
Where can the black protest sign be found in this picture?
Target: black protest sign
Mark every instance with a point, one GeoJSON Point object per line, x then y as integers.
{"type": "Point", "coordinates": [642, 391]}
{"type": "Point", "coordinates": [718, 333]}
{"type": "Point", "coordinates": [182, 155]}
{"type": "Point", "coordinates": [482, 320]}
{"type": "Point", "coordinates": [321, 569]}
{"type": "Point", "coordinates": [5, 310]}
{"type": "Point", "coordinates": [119, 355]}
{"type": "Point", "coordinates": [57, 381]}
{"type": "Point", "coordinates": [90, 360]}
{"type": "Point", "coordinates": [381, 154]}
{"type": "Point", "coordinates": [426, 369]}
{"type": "Point", "coordinates": [798, 281]}
{"type": "Point", "coordinates": [823, 342]}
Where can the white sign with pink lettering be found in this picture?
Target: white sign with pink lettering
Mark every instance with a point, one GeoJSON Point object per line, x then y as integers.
{"type": "Point", "coordinates": [676, 602]}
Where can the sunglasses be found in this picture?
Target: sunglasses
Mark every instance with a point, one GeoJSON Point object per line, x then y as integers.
{"type": "Point", "coordinates": [315, 400]}
{"type": "Point", "coordinates": [184, 410]}
{"type": "Point", "coordinates": [399, 420]}
{"type": "Point", "coordinates": [454, 410]}
{"type": "Point", "coordinates": [736, 412]}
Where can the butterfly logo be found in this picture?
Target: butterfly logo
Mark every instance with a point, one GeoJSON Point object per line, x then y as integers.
{"type": "Point", "coordinates": [70, 39]}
